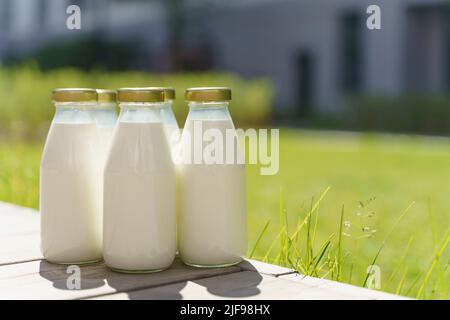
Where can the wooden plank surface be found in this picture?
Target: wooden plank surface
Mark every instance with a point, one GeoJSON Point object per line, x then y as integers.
{"type": "Point", "coordinates": [264, 268]}
{"type": "Point", "coordinates": [334, 288]}
{"type": "Point", "coordinates": [23, 275]}
{"type": "Point", "coordinates": [19, 234]}
{"type": "Point", "coordinates": [240, 285]}
{"type": "Point", "coordinates": [252, 285]}
{"type": "Point", "coordinates": [42, 280]}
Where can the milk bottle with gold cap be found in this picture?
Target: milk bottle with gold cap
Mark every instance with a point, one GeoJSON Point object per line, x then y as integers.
{"type": "Point", "coordinates": [139, 187]}
{"type": "Point", "coordinates": [70, 199]}
{"type": "Point", "coordinates": [212, 213]}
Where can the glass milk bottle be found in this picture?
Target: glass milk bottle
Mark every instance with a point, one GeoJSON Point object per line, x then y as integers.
{"type": "Point", "coordinates": [70, 199]}
{"type": "Point", "coordinates": [212, 214]}
{"type": "Point", "coordinates": [105, 116]}
{"type": "Point", "coordinates": [169, 120]}
{"type": "Point", "coordinates": [139, 187]}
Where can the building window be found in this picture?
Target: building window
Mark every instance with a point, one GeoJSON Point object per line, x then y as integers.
{"type": "Point", "coordinates": [351, 26]}
{"type": "Point", "coordinates": [305, 82]}
{"type": "Point", "coordinates": [42, 14]}
{"type": "Point", "coordinates": [426, 51]}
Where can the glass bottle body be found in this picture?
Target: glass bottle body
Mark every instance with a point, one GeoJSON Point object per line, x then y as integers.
{"type": "Point", "coordinates": [212, 200]}
{"type": "Point", "coordinates": [139, 193]}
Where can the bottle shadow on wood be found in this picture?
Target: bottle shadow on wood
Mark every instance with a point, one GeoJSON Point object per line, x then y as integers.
{"type": "Point", "coordinates": [132, 286]}
{"type": "Point", "coordinates": [232, 282]}
{"type": "Point", "coordinates": [73, 277]}
{"type": "Point", "coordinates": [163, 285]}
{"type": "Point", "coordinates": [240, 284]}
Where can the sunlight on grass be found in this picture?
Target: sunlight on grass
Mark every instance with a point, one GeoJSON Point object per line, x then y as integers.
{"type": "Point", "coordinates": [19, 173]}
{"type": "Point", "coordinates": [339, 204]}
{"type": "Point", "coordinates": [377, 179]}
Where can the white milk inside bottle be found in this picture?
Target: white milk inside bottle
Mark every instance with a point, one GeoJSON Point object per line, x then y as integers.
{"type": "Point", "coordinates": [105, 117]}
{"type": "Point", "coordinates": [139, 187]}
{"type": "Point", "coordinates": [70, 196]}
{"type": "Point", "coordinates": [212, 215]}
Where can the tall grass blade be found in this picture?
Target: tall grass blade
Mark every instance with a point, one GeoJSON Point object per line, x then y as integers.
{"type": "Point", "coordinates": [322, 252]}
{"type": "Point", "coordinates": [402, 259]}
{"type": "Point", "coordinates": [432, 266]}
{"type": "Point", "coordinates": [269, 251]}
{"type": "Point", "coordinates": [309, 253]}
{"type": "Point", "coordinates": [402, 281]}
{"type": "Point", "coordinates": [259, 239]}
{"type": "Point", "coordinates": [314, 208]}
{"type": "Point", "coordinates": [339, 254]}
{"type": "Point", "coordinates": [280, 221]}
{"type": "Point", "coordinates": [316, 222]}
{"type": "Point", "coordinates": [385, 240]}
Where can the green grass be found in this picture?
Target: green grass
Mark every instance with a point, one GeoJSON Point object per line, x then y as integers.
{"type": "Point", "coordinates": [339, 204]}
{"type": "Point", "coordinates": [19, 173]}
{"type": "Point", "coordinates": [393, 194]}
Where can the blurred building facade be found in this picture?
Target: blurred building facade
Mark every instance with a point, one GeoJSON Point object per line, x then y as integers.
{"type": "Point", "coordinates": [30, 25]}
{"type": "Point", "coordinates": [317, 52]}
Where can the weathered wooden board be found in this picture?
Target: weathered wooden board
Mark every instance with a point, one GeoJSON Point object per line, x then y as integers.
{"type": "Point", "coordinates": [252, 285]}
{"type": "Point", "coordinates": [335, 288]}
{"type": "Point", "coordinates": [240, 285]}
{"type": "Point", "coordinates": [42, 280]}
{"type": "Point", "coordinates": [19, 234]}
{"type": "Point", "coordinates": [264, 268]}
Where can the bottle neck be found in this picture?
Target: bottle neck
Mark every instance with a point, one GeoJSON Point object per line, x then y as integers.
{"type": "Point", "coordinates": [167, 104]}
{"type": "Point", "coordinates": [140, 112]}
{"type": "Point", "coordinates": [77, 106]}
{"type": "Point", "coordinates": [141, 105]}
{"type": "Point", "coordinates": [208, 111]}
{"type": "Point", "coordinates": [208, 105]}
{"type": "Point", "coordinates": [74, 112]}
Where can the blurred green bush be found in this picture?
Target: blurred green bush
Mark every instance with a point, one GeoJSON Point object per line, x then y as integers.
{"type": "Point", "coordinates": [26, 108]}
{"type": "Point", "coordinates": [423, 114]}
{"type": "Point", "coordinates": [86, 53]}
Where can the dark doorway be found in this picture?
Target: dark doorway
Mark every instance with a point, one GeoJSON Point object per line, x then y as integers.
{"type": "Point", "coordinates": [426, 52]}
{"type": "Point", "coordinates": [305, 83]}
{"type": "Point", "coordinates": [351, 27]}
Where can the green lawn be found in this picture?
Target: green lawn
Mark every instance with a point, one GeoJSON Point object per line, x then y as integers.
{"type": "Point", "coordinates": [19, 173]}
{"type": "Point", "coordinates": [376, 178]}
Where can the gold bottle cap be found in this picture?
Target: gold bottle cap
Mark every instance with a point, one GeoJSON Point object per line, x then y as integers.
{"type": "Point", "coordinates": [169, 93]}
{"type": "Point", "coordinates": [74, 95]}
{"type": "Point", "coordinates": [140, 95]}
{"type": "Point", "coordinates": [106, 96]}
{"type": "Point", "coordinates": [208, 94]}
